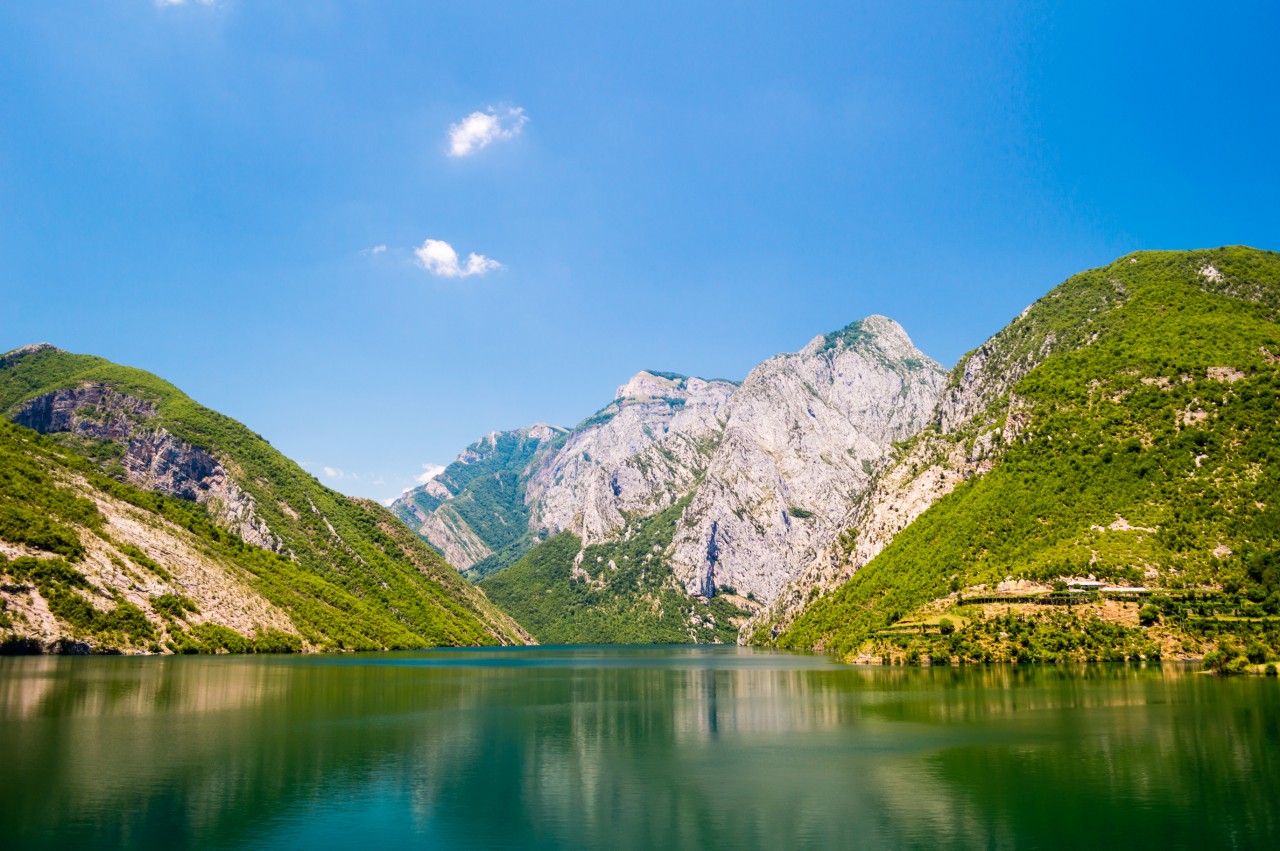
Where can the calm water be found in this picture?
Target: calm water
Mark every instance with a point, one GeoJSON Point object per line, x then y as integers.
{"type": "Point", "coordinates": [631, 748]}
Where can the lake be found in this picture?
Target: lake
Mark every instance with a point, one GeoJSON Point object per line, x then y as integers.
{"type": "Point", "coordinates": [642, 747]}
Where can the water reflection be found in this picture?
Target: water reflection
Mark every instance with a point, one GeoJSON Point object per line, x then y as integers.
{"type": "Point", "coordinates": [663, 747]}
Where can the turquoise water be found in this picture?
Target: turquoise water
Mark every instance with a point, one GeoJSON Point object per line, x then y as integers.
{"type": "Point", "coordinates": [667, 747]}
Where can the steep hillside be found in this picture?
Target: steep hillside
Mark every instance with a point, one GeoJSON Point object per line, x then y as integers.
{"type": "Point", "coordinates": [636, 456]}
{"type": "Point", "coordinates": [510, 490]}
{"type": "Point", "coordinates": [617, 592]}
{"type": "Point", "coordinates": [1123, 428]}
{"type": "Point", "coordinates": [748, 487]}
{"type": "Point", "coordinates": [804, 436]}
{"type": "Point", "coordinates": [475, 512]}
{"type": "Point", "coordinates": [187, 516]}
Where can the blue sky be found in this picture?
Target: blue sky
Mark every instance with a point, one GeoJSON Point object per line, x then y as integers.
{"type": "Point", "coordinates": [198, 189]}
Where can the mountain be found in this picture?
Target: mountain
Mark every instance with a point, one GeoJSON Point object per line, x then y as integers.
{"type": "Point", "coordinates": [727, 491]}
{"type": "Point", "coordinates": [510, 490]}
{"type": "Point", "coordinates": [619, 591]}
{"type": "Point", "coordinates": [133, 518]}
{"type": "Point", "coordinates": [636, 456]}
{"type": "Point", "coordinates": [1123, 429]}
{"type": "Point", "coordinates": [475, 511]}
{"type": "Point", "coordinates": [803, 437]}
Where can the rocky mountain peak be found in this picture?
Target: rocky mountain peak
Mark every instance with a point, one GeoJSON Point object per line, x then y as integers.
{"type": "Point", "coordinates": [12, 357]}
{"type": "Point", "coordinates": [645, 384]}
{"type": "Point", "coordinates": [803, 438]}
{"type": "Point", "coordinates": [545, 431]}
{"type": "Point", "coordinates": [648, 384]}
{"type": "Point", "coordinates": [875, 334]}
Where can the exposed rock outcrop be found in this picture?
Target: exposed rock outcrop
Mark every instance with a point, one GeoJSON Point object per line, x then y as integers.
{"type": "Point", "coordinates": [153, 458]}
{"type": "Point", "coordinates": [638, 455]}
{"type": "Point", "coordinates": [804, 437]}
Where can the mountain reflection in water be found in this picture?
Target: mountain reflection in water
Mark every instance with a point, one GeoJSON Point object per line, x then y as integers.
{"type": "Point", "coordinates": [628, 747]}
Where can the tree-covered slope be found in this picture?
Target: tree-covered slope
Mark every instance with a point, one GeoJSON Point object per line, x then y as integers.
{"type": "Point", "coordinates": [1142, 448]}
{"type": "Point", "coordinates": [343, 573]}
{"type": "Point", "coordinates": [618, 592]}
{"type": "Point", "coordinates": [474, 511]}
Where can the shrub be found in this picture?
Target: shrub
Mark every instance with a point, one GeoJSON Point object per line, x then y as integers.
{"type": "Point", "coordinates": [173, 606]}
{"type": "Point", "coordinates": [275, 641]}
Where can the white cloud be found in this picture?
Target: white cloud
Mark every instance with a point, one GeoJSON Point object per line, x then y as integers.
{"type": "Point", "coordinates": [377, 249]}
{"type": "Point", "coordinates": [429, 472]}
{"type": "Point", "coordinates": [479, 129]}
{"type": "Point", "coordinates": [439, 258]}
{"type": "Point", "coordinates": [333, 472]}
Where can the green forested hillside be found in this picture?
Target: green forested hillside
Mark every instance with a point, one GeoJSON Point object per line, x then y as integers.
{"type": "Point", "coordinates": [487, 495]}
{"type": "Point", "coordinates": [346, 573]}
{"type": "Point", "coordinates": [622, 592]}
{"type": "Point", "coordinates": [1150, 456]}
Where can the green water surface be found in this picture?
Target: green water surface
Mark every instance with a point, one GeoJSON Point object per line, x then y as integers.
{"type": "Point", "coordinates": [666, 747]}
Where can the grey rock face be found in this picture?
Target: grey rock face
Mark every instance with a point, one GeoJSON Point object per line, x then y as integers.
{"type": "Point", "coordinates": [976, 417]}
{"type": "Point", "coordinates": [985, 375]}
{"type": "Point", "coordinates": [476, 506]}
{"type": "Point", "coordinates": [804, 437]}
{"type": "Point", "coordinates": [153, 459]}
{"type": "Point", "coordinates": [638, 455]}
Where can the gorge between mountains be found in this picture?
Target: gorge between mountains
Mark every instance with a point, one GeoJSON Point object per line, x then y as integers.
{"type": "Point", "coordinates": [854, 496]}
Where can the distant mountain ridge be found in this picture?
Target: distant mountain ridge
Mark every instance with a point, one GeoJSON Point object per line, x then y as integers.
{"type": "Point", "coordinates": [511, 490]}
{"type": "Point", "coordinates": [761, 472]}
{"type": "Point", "coordinates": [474, 512]}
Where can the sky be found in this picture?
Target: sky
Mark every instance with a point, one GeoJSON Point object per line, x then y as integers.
{"type": "Point", "coordinates": [374, 232]}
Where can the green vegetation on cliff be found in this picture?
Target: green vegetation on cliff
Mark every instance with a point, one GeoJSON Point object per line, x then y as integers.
{"type": "Point", "coordinates": [347, 573]}
{"type": "Point", "coordinates": [487, 496]}
{"type": "Point", "coordinates": [1150, 452]}
{"type": "Point", "coordinates": [622, 592]}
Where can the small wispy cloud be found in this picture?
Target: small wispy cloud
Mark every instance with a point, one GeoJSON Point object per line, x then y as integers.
{"type": "Point", "coordinates": [374, 251]}
{"type": "Point", "coordinates": [439, 258]}
{"type": "Point", "coordinates": [333, 473]}
{"type": "Point", "coordinates": [480, 129]}
{"type": "Point", "coordinates": [429, 472]}
{"type": "Point", "coordinates": [164, 3]}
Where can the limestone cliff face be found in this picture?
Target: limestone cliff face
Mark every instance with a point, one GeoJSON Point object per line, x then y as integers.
{"type": "Point", "coordinates": [221, 592]}
{"type": "Point", "coordinates": [976, 416]}
{"type": "Point", "coordinates": [638, 455]}
{"type": "Point", "coordinates": [153, 459]}
{"type": "Point", "coordinates": [805, 435]}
